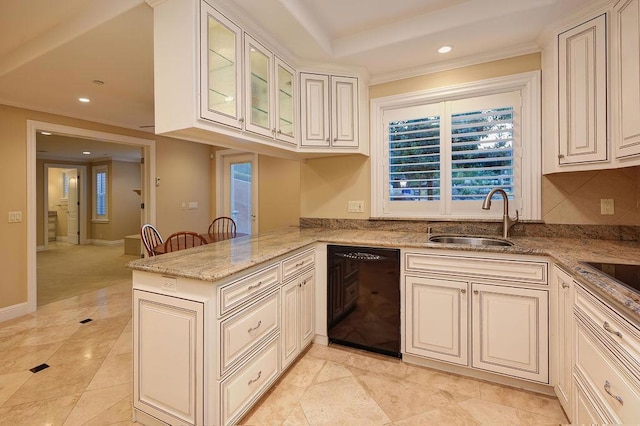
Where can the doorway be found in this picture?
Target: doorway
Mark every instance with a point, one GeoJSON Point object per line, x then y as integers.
{"type": "Point", "coordinates": [65, 198]}
{"type": "Point", "coordinates": [238, 189]}
{"type": "Point", "coordinates": [147, 190]}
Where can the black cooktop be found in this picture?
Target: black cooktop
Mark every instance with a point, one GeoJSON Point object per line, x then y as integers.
{"type": "Point", "coordinates": [627, 275]}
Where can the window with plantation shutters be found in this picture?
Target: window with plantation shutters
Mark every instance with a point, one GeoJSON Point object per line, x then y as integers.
{"type": "Point", "coordinates": [100, 194]}
{"type": "Point", "coordinates": [441, 157]}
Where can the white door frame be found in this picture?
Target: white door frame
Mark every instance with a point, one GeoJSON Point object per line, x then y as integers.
{"type": "Point", "coordinates": [149, 152]}
{"type": "Point", "coordinates": [220, 155]}
{"type": "Point", "coordinates": [82, 172]}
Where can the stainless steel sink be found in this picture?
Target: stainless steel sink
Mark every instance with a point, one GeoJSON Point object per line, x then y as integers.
{"type": "Point", "coordinates": [472, 241]}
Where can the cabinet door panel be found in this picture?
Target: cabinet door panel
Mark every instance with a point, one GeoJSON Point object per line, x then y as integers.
{"type": "Point", "coordinates": [290, 323]}
{"type": "Point", "coordinates": [582, 91]}
{"type": "Point", "coordinates": [168, 332]}
{"type": "Point", "coordinates": [259, 82]}
{"type": "Point", "coordinates": [436, 324]}
{"type": "Point", "coordinates": [563, 337]}
{"type": "Point", "coordinates": [221, 73]}
{"type": "Point", "coordinates": [314, 104]}
{"type": "Point", "coordinates": [345, 111]}
{"type": "Point", "coordinates": [307, 308]}
{"type": "Point", "coordinates": [286, 92]}
{"type": "Point", "coordinates": [510, 331]}
{"type": "Point", "coordinates": [625, 79]}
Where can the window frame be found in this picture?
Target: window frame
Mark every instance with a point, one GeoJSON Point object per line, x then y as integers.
{"type": "Point", "coordinates": [95, 217]}
{"type": "Point", "coordinates": [529, 86]}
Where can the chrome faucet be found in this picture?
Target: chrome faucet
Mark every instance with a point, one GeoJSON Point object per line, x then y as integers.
{"type": "Point", "coordinates": [507, 222]}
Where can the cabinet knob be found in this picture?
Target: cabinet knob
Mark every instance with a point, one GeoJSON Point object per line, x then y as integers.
{"type": "Point", "coordinates": [279, 131]}
{"type": "Point", "coordinates": [335, 139]}
{"type": "Point", "coordinates": [565, 285]}
{"type": "Point", "coordinates": [241, 120]}
{"type": "Point", "coordinates": [328, 140]}
{"type": "Point", "coordinates": [463, 291]}
{"type": "Point", "coordinates": [560, 156]}
{"type": "Point", "coordinates": [475, 291]}
{"type": "Point", "coordinates": [273, 130]}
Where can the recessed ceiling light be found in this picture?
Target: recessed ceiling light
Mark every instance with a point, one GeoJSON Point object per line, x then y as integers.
{"type": "Point", "coordinates": [45, 133]}
{"type": "Point", "coordinates": [445, 49]}
{"type": "Point", "coordinates": [85, 100]}
{"type": "Point", "coordinates": [86, 152]}
{"type": "Point", "coordinates": [98, 82]}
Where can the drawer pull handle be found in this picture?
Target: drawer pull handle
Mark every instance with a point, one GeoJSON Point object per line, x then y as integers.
{"type": "Point", "coordinates": [299, 264]}
{"type": "Point", "coordinates": [610, 330]}
{"type": "Point", "coordinates": [251, 287]}
{"type": "Point", "coordinates": [565, 285]}
{"type": "Point", "coordinates": [607, 389]}
{"type": "Point", "coordinates": [256, 379]}
{"type": "Point", "coordinates": [255, 328]}
{"type": "Point", "coordinates": [463, 291]}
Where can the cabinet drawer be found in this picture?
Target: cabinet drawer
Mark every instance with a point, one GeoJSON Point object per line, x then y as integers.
{"type": "Point", "coordinates": [236, 293]}
{"type": "Point", "coordinates": [527, 271]}
{"type": "Point", "coordinates": [610, 381]}
{"type": "Point", "coordinates": [612, 328]}
{"type": "Point", "coordinates": [246, 385]}
{"type": "Point", "coordinates": [241, 333]}
{"type": "Point", "coordinates": [295, 264]}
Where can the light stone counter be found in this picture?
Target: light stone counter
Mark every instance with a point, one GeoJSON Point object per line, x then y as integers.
{"type": "Point", "coordinates": [215, 261]}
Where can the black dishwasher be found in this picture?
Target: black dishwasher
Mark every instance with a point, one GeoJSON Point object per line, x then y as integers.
{"type": "Point", "coordinates": [363, 298]}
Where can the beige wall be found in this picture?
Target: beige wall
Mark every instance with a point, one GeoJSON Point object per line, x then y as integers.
{"type": "Point", "coordinates": [182, 165]}
{"type": "Point", "coordinates": [328, 183]}
{"type": "Point", "coordinates": [278, 193]}
{"type": "Point", "coordinates": [124, 214]}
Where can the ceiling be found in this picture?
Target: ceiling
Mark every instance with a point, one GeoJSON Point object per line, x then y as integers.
{"type": "Point", "coordinates": [52, 51]}
{"type": "Point", "coordinates": [61, 147]}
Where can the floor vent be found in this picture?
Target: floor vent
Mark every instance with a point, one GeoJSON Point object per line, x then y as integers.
{"type": "Point", "coordinates": [38, 368]}
{"type": "Point", "coordinates": [84, 321]}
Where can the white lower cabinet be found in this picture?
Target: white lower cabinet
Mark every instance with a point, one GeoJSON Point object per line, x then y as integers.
{"type": "Point", "coordinates": [168, 357]}
{"type": "Point", "coordinates": [297, 316]}
{"type": "Point", "coordinates": [205, 352]}
{"type": "Point", "coordinates": [483, 312]}
{"type": "Point", "coordinates": [607, 363]}
{"type": "Point", "coordinates": [436, 324]}
{"type": "Point", "coordinates": [562, 320]}
{"type": "Point", "coordinates": [510, 331]}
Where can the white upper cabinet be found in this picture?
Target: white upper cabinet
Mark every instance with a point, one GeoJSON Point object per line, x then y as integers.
{"type": "Point", "coordinates": [221, 73]}
{"type": "Point", "coordinates": [591, 90]}
{"type": "Point", "coordinates": [625, 77]}
{"type": "Point", "coordinates": [329, 111]}
{"type": "Point", "coordinates": [219, 80]}
{"type": "Point", "coordinates": [582, 93]}
{"type": "Point", "coordinates": [259, 87]}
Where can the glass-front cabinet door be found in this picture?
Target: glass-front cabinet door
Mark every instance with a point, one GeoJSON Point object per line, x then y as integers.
{"type": "Point", "coordinates": [285, 102]}
{"type": "Point", "coordinates": [258, 87]}
{"type": "Point", "coordinates": [221, 72]}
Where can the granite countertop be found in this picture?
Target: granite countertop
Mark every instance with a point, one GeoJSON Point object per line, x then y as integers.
{"type": "Point", "coordinates": [216, 261]}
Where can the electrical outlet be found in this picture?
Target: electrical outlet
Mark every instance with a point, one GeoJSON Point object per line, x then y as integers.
{"type": "Point", "coordinates": [355, 207]}
{"type": "Point", "coordinates": [169, 284]}
{"type": "Point", "coordinates": [607, 206]}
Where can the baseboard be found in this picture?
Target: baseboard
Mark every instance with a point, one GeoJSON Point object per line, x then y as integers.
{"type": "Point", "coordinates": [105, 242]}
{"type": "Point", "coordinates": [61, 239]}
{"type": "Point", "coordinates": [40, 248]}
{"type": "Point", "coordinates": [13, 311]}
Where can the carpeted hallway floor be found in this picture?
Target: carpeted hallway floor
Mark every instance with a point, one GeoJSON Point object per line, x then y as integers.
{"type": "Point", "coordinates": [66, 270]}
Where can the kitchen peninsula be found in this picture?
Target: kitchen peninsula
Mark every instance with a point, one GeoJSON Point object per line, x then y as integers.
{"type": "Point", "coordinates": [231, 316]}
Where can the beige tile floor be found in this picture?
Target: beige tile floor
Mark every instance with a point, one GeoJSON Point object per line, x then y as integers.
{"type": "Point", "coordinates": [89, 381]}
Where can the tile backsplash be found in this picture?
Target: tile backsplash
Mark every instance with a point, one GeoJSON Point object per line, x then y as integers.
{"type": "Point", "coordinates": [574, 198]}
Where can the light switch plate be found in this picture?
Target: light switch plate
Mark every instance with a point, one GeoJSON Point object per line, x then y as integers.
{"type": "Point", "coordinates": [15, 217]}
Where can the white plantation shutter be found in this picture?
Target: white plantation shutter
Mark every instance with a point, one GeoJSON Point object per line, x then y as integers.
{"type": "Point", "coordinates": [444, 158]}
